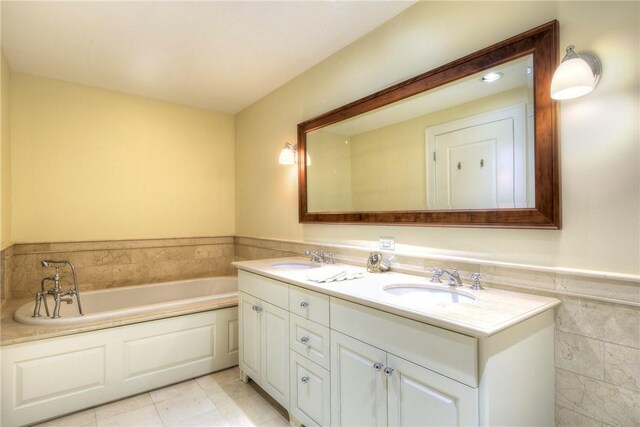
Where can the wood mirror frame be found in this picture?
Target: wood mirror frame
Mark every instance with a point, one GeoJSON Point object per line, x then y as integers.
{"type": "Point", "coordinates": [542, 43]}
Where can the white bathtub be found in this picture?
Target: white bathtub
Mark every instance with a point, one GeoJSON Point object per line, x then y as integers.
{"type": "Point", "coordinates": [120, 303]}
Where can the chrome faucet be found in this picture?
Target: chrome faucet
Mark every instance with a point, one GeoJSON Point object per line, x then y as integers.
{"type": "Point", "coordinates": [58, 294]}
{"type": "Point", "coordinates": [320, 256]}
{"type": "Point", "coordinates": [453, 278]}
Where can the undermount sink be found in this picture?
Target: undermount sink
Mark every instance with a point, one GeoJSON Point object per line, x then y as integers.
{"type": "Point", "coordinates": [425, 294]}
{"type": "Point", "coordinates": [292, 265]}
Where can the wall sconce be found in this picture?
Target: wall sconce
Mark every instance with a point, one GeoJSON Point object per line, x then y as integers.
{"type": "Point", "coordinates": [576, 76]}
{"type": "Point", "coordinates": [289, 154]}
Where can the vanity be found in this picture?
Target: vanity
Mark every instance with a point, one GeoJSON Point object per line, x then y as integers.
{"type": "Point", "coordinates": [393, 348]}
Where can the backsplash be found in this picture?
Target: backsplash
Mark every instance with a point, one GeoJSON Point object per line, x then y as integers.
{"type": "Point", "coordinates": [597, 328]}
{"type": "Point", "coordinates": [109, 264]}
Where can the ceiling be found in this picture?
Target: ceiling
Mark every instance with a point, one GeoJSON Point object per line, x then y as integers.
{"type": "Point", "coordinates": [219, 55]}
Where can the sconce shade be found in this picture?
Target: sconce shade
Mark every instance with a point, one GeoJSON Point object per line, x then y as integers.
{"type": "Point", "coordinates": [288, 155]}
{"type": "Point", "coordinates": [576, 76]}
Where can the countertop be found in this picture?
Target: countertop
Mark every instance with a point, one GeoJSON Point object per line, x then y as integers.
{"type": "Point", "coordinates": [493, 311]}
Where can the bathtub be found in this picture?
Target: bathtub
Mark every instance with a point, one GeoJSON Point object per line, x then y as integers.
{"type": "Point", "coordinates": [195, 333]}
{"type": "Point", "coordinates": [124, 302]}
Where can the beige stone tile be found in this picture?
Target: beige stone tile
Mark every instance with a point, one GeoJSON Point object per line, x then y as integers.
{"type": "Point", "coordinates": [31, 247]}
{"type": "Point", "coordinates": [110, 257]}
{"type": "Point", "coordinates": [254, 411]}
{"type": "Point", "coordinates": [621, 290]}
{"type": "Point", "coordinates": [568, 418]}
{"type": "Point", "coordinates": [130, 274]}
{"type": "Point", "coordinates": [175, 410]}
{"type": "Point", "coordinates": [614, 323]}
{"type": "Point", "coordinates": [121, 406]}
{"type": "Point", "coordinates": [580, 355]}
{"type": "Point", "coordinates": [596, 399]}
{"type": "Point", "coordinates": [622, 366]}
{"type": "Point", "coordinates": [210, 418]}
{"type": "Point", "coordinates": [98, 277]}
{"type": "Point", "coordinates": [145, 416]}
{"type": "Point", "coordinates": [79, 419]}
{"type": "Point", "coordinates": [185, 389]}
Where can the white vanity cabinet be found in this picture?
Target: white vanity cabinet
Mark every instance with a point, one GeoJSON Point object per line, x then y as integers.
{"type": "Point", "coordinates": [264, 334]}
{"type": "Point", "coordinates": [348, 364]}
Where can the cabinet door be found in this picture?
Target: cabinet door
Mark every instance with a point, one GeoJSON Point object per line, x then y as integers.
{"type": "Point", "coordinates": [275, 352]}
{"type": "Point", "coordinates": [358, 384]}
{"type": "Point", "coordinates": [310, 392]}
{"type": "Point", "coordinates": [420, 397]}
{"type": "Point", "coordinates": [250, 331]}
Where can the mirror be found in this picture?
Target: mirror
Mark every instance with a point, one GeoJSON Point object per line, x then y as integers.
{"type": "Point", "coordinates": [452, 146]}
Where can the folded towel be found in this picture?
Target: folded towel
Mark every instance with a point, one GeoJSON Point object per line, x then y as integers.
{"type": "Point", "coordinates": [332, 275]}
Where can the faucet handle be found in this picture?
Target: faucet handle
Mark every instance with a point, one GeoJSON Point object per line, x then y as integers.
{"type": "Point", "coordinates": [476, 286]}
{"type": "Point", "coordinates": [329, 258]}
{"type": "Point", "coordinates": [437, 273]}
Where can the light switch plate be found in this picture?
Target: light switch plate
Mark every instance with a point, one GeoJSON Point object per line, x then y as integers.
{"type": "Point", "coordinates": [388, 243]}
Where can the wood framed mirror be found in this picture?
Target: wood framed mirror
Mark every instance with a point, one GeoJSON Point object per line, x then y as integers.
{"type": "Point", "coordinates": [449, 147]}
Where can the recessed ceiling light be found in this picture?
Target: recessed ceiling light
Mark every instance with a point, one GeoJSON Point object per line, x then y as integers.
{"type": "Point", "coordinates": [491, 77]}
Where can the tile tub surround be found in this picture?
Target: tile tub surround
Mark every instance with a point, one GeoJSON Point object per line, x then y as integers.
{"type": "Point", "coordinates": [109, 264]}
{"type": "Point", "coordinates": [597, 325]}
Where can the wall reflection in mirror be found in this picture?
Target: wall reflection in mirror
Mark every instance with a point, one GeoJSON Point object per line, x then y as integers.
{"type": "Point", "coordinates": [465, 145]}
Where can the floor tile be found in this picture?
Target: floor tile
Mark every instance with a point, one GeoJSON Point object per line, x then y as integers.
{"type": "Point", "coordinates": [209, 418]}
{"type": "Point", "coordinates": [122, 406]}
{"type": "Point", "coordinates": [173, 411]}
{"type": "Point", "coordinates": [141, 417]}
{"type": "Point", "coordinates": [185, 389]}
{"type": "Point", "coordinates": [79, 419]}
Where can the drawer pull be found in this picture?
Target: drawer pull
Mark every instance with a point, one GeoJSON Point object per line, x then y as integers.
{"type": "Point", "coordinates": [256, 309]}
{"type": "Point", "coordinates": [388, 371]}
{"type": "Point", "coordinates": [304, 340]}
{"type": "Point", "coordinates": [304, 304]}
{"type": "Point", "coordinates": [304, 379]}
{"type": "Point", "coordinates": [378, 366]}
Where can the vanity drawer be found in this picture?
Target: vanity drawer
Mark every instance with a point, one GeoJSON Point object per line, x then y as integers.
{"type": "Point", "coordinates": [448, 353]}
{"type": "Point", "coordinates": [309, 304]}
{"type": "Point", "coordinates": [269, 290]}
{"type": "Point", "coordinates": [310, 386]}
{"type": "Point", "coordinates": [310, 340]}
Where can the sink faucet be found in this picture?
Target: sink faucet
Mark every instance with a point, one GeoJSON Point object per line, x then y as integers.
{"type": "Point", "coordinates": [320, 256]}
{"type": "Point", "coordinates": [58, 294]}
{"type": "Point", "coordinates": [453, 278]}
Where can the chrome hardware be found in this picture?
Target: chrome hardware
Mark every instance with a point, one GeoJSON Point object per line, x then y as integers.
{"type": "Point", "coordinates": [320, 256]}
{"type": "Point", "coordinates": [256, 309]}
{"type": "Point", "coordinates": [388, 371]}
{"type": "Point", "coordinates": [304, 340]}
{"type": "Point", "coordinates": [304, 304]}
{"type": "Point", "coordinates": [437, 274]}
{"type": "Point", "coordinates": [304, 379]}
{"type": "Point", "coordinates": [58, 294]}
{"type": "Point", "coordinates": [453, 278]}
{"type": "Point", "coordinates": [476, 286]}
{"type": "Point", "coordinates": [378, 366]}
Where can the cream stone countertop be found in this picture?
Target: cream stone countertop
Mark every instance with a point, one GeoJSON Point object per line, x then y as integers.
{"type": "Point", "coordinates": [12, 332]}
{"type": "Point", "coordinates": [493, 311]}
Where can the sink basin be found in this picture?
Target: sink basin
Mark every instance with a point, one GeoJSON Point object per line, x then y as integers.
{"type": "Point", "coordinates": [416, 294]}
{"type": "Point", "coordinates": [294, 265]}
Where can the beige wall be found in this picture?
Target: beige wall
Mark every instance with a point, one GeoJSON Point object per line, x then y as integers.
{"type": "Point", "coordinates": [329, 172]}
{"type": "Point", "coordinates": [5, 153]}
{"type": "Point", "coordinates": [91, 164]}
{"type": "Point", "coordinates": [598, 134]}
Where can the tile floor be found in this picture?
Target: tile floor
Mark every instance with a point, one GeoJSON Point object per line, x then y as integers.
{"type": "Point", "coordinates": [219, 399]}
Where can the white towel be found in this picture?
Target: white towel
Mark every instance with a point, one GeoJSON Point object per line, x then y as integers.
{"type": "Point", "coordinates": [332, 275]}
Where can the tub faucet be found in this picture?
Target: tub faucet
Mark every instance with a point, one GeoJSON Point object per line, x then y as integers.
{"type": "Point", "coordinates": [58, 294]}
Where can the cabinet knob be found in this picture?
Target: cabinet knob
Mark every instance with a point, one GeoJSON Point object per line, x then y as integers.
{"type": "Point", "coordinates": [304, 340]}
{"type": "Point", "coordinates": [304, 379]}
{"type": "Point", "coordinates": [304, 304]}
{"type": "Point", "coordinates": [378, 366]}
{"type": "Point", "coordinates": [256, 309]}
{"type": "Point", "coordinates": [388, 371]}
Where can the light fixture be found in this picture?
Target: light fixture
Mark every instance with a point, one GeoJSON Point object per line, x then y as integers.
{"type": "Point", "coordinates": [576, 76]}
{"type": "Point", "coordinates": [491, 77]}
{"type": "Point", "coordinates": [289, 154]}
